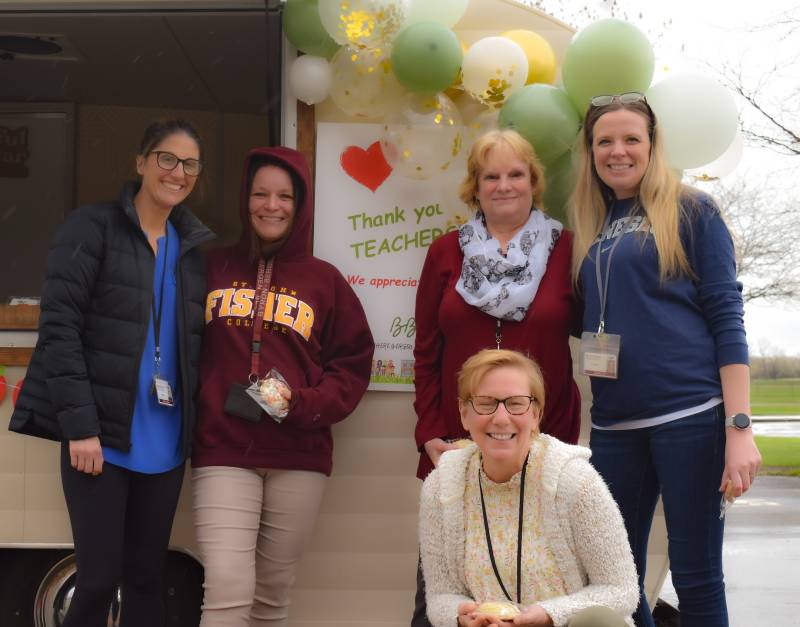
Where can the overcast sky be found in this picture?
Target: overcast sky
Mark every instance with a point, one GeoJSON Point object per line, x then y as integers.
{"type": "Point", "coordinates": [716, 32]}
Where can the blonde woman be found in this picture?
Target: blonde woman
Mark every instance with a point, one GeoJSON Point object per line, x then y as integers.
{"type": "Point", "coordinates": [664, 345]}
{"type": "Point", "coordinates": [519, 516]}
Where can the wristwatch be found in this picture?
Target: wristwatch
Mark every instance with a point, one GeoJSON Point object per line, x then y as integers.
{"type": "Point", "coordinates": [739, 421]}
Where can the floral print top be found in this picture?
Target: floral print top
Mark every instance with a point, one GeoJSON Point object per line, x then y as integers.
{"type": "Point", "coordinates": [541, 577]}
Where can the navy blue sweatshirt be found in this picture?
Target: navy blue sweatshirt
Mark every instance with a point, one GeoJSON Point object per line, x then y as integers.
{"type": "Point", "coordinates": [675, 335]}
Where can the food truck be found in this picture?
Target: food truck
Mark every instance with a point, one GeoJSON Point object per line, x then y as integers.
{"type": "Point", "coordinates": [79, 81]}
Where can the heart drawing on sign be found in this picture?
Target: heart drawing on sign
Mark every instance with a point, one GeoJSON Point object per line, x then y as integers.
{"type": "Point", "coordinates": [368, 167]}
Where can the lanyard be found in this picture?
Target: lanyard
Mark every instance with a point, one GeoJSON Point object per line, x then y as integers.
{"type": "Point", "coordinates": [519, 533]}
{"type": "Point", "coordinates": [157, 312]}
{"type": "Point", "coordinates": [602, 287]}
{"type": "Point", "coordinates": [262, 291]}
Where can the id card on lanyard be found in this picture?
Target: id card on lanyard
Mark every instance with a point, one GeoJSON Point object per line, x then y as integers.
{"type": "Point", "coordinates": [161, 387]}
{"type": "Point", "coordinates": [599, 352]}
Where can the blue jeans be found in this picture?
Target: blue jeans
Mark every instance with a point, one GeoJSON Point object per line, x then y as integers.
{"type": "Point", "coordinates": [682, 460]}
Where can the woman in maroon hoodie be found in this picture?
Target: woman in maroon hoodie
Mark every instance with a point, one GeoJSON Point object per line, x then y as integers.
{"type": "Point", "coordinates": [258, 482]}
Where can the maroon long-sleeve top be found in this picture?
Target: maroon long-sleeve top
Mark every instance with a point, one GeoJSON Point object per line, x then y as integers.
{"type": "Point", "coordinates": [449, 331]}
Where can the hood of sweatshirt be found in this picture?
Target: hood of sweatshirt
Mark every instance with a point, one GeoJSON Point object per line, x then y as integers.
{"type": "Point", "coordinates": [298, 242]}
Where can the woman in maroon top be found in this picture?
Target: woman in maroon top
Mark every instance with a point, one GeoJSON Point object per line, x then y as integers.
{"type": "Point", "coordinates": [501, 281]}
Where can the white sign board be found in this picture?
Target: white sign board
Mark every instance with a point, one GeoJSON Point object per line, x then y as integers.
{"type": "Point", "coordinates": [375, 225]}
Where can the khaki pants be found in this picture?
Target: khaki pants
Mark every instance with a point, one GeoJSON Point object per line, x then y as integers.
{"type": "Point", "coordinates": [597, 617]}
{"type": "Point", "coordinates": [252, 526]}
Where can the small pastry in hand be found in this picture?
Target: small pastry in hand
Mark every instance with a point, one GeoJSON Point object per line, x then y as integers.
{"type": "Point", "coordinates": [463, 442]}
{"type": "Point", "coordinates": [272, 391]}
{"type": "Point", "coordinates": [503, 610]}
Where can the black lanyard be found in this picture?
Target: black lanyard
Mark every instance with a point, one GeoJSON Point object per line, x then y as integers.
{"type": "Point", "coordinates": [157, 313]}
{"type": "Point", "coordinates": [519, 533]}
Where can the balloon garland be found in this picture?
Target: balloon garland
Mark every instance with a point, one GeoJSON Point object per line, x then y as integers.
{"type": "Point", "coordinates": [390, 59]}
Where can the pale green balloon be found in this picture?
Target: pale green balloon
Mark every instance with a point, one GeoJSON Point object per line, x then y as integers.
{"type": "Point", "coordinates": [446, 12]}
{"type": "Point", "coordinates": [426, 57]}
{"type": "Point", "coordinates": [608, 57]}
{"type": "Point", "coordinates": [303, 28]}
{"type": "Point", "coordinates": [560, 177]}
{"type": "Point", "coordinates": [543, 115]}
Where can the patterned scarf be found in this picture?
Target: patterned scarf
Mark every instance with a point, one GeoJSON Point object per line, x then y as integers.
{"type": "Point", "coordinates": [505, 286]}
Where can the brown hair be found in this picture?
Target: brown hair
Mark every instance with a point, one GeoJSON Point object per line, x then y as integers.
{"type": "Point", "coordinates": [479, 154]}
{"type": "Point", "coordinates": [159, 131]}
{"type": "Point", "coordinates": [258, 247]}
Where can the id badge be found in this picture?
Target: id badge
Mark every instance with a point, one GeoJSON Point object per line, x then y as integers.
{"type": "Point", "coordinates": [163, 391]}
{"type": "Point", "coordinates": [600, 354]}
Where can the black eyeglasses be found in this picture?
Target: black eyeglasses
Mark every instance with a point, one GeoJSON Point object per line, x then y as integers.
{"type": "Point", "coordinates": [515, 405]}
{"type": "Point", "coordinates": [168, 161]}
{"type": "Point", "coordinates": [627, 98]}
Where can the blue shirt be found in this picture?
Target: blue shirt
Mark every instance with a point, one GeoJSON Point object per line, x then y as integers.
{"type": "Point", "coordinates": [155, 428]}
{"type": "Point", "coordinates": [676, 335]}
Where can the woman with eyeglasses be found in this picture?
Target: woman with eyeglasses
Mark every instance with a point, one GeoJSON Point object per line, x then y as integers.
{"type": "Point", "coordinates": [501, 281]}
{"type": "Point", "coordinates": [664, 344]}
{"type": "Point", "coordinates": [114, 373]}
{"type": "Point", "coordinates": [518, 526]}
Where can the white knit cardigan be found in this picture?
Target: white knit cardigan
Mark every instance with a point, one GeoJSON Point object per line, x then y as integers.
{"type": "Point", "coordinates": [582, 524]}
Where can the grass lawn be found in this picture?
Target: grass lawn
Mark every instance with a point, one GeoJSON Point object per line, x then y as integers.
{"type": "Point", "coordinates": [775, 397]}
{"type": "Point", "coordinates": [780, 456]}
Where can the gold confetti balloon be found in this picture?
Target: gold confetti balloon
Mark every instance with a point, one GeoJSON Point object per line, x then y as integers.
{"type": "Point", "coordinates": [424, 136]}
{"type": "Point", "coordinates": [473, 127]}
{"type": "Point", "coordinates": [493, 68]}
{"type": "Point", "coordinates": [364, 85]}
{"type": "Point", "coordinates": [363, 23]}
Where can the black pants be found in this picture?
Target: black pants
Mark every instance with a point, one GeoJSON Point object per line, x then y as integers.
{"type": "Point", "coordinates": [420, 617]}
{"type": "Point", "coordinates": [121, 522]}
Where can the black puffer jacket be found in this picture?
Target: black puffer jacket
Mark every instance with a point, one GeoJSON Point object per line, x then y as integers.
{"type": "Point", "coordinates": [95, 314]}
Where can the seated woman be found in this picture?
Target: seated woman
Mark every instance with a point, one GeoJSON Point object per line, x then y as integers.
{"type": "Point", "coordinates": [519, 516]}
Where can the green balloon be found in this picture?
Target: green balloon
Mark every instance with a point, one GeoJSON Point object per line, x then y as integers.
{"type": "Point", "coordinates": [303, 28]}
{"type": "Point", "coordinates": [560, 177]}
{"type": "Point", "coordinates": [607, 57]}
{"type": "Point", "coordinates": [543, 115]}
{"type": "Point", "coordinates": [426, 57]}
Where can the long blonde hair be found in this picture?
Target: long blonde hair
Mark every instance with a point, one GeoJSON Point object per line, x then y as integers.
{"type": "Point", "coordinates": [660, 194]}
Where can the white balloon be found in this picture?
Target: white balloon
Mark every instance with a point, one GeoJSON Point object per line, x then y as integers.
{"type": "Point", "coordinates": [310, 79]}
{"type": "Point", "coordinates": [446, 12]}
{"type": "Point", "coordinates": [697, 116]}
{"type": "Point", "coordinates": [493, 69]}
{"type": "Point", "coordinates": [364, 85]}
{"type": "Point", "coordinates": [369, 24]}
{"type": "Point", "coordinates": [723, 165]}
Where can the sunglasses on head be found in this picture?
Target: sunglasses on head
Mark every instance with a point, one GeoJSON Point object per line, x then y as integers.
{"type": "Point", "coordinates": [627, 98]}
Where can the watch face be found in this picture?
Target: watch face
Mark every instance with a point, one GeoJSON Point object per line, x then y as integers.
{"type": "Point", "coordinates": [741, 421]}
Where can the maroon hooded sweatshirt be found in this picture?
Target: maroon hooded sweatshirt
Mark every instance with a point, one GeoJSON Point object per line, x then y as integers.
{"type": "Point", "coordinates": [314, 333]}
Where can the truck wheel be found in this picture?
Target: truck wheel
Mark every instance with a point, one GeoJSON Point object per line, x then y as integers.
{"type": "Point", "coordinates": [52, 599]}
{"type": "Point", "coordinates": [36, 588]}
